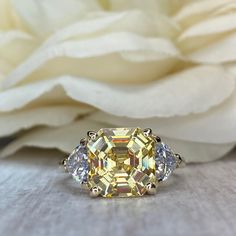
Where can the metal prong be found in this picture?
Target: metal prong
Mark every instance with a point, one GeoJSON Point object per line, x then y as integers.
{"type": "Point", "coordinates": [62, 163]}
{"type": "Point", "coordinates": [180, 161]}
{"type": "Point", "coordinates": [95, 192]}
{"type": "Point", "coordinates": [92, 135]}
{"type": "Point", "coordinates": [83, 141]}
{"type": "Point", "coordinates": [151, 188]}
{"type": "Point", "coordinates": [157, 138]}
{"type": "Point", "coordinates": [147, 131]}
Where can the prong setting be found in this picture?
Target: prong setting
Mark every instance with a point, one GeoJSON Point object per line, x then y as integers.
{"type": "Point", "coordinates": [151, 188]}
{"type": "Point", "coordinates": [62, 164]}
{"type": "Point", "coordinates": [157, 138]}
{"type": "Point", "coordinates": [95, 192]}
{"type": "Point", "coordinates": [180, 161]}
{"type": "Point", "coordinates": [81, 163]}
{"type": "Point", "coordinates": [92, 135]}
{"type": "Point", "coordinates": [147, 132]}
{"type": "Point", "coordinates": [83, 141]}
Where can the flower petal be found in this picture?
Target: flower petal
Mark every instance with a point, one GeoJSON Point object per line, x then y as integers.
{"type": "Point", "coordinates": [216, 126]}
{"type": "Point", "coordinates": [200, 152]}
{"type": "Point", "coordinates": [231, 67]}
{"type": "Point", "coordinates": [67, 137]}
{"type": "Point", "coordinates": [47, 116]}
{"type": "Point", "coordinates": [8, 36]}
{"type": "Point", "coordinates": [98, 46]}
{"type": "Point", "coordinates": [179, 94]}
{"type": "Point", "coordinates": [104, 23]}
{"type": "Point", "coordinates": [228, 8]}
{"type": "Point", "coordinates": [43, 17]}
{"type": "Point", "coordinates": [221, 51]}
{"type": "Point", "coordinates": [224, 23]}
{"type": "Point", "coordinates": [9, 18]}
{"type": "Point", "coordinates": [15, 46]}
{"type": "Point", "coordinates": [64, 138]}
{"type": "Point", "coordinates": [193, 9]}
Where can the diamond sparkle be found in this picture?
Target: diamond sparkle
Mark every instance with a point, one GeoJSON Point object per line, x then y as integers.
{"type": "Point", "coordinates": [77, 164]}
{"type": "Point", "coordinates": [165, 161]}
{"type": "Point", "coordinates": [121, 162]}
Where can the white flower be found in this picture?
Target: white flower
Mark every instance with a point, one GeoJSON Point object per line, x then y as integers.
{"type": "Point", "coordinates": [71, 65]}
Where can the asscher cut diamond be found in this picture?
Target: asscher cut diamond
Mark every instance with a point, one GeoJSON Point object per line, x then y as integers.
{"type": "Point", "coordinates": [121, 162]}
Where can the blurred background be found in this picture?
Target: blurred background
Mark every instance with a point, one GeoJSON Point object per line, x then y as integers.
{"type": "Point", "coordinates": [68, 66]}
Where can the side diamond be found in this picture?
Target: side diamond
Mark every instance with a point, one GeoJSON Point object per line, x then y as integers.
{"type": "Point", "coordinates": [77, 164]}
{"type": "Point", "coordinates": [165, 161]}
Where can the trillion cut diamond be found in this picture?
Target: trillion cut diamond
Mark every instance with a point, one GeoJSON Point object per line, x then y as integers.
{"type": "Point", "coordinates": [121, 162]}
{"type": "Point", "coordinates": [77, 164]}
{"type": "Point", "coordinates": [165, 161]}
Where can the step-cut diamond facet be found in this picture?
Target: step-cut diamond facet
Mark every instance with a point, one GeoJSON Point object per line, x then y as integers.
{"type": "Point", "coordinates": [77, 164]}
{"type": "Point", "coordinates": [165, 161]}
{"type": "Point", "coordinates": [121, 162]}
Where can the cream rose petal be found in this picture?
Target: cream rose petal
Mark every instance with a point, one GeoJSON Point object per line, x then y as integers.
{"type": "Point", "coordinates": [199, 152]}
{"type": "Point", "coordinates": [231, 67]}
{"type": "Point", "coordinates": [64, 138]}
{"type": "Point", "coordinates": [224, 23]}
{"type": "Point", "coordinates": [168, 97]}
{"type": "Point", "coordinates": [8, 19]}
{"type": "Point", "coordinates": [221, 51]}
{"type": "Point", "coordinates": [15, 46]}
{"type": "Point", "coordinates": [5, 68]}
{"type": "Point", "coordinates": [226, 9]}
{"type": "Point", "coordinates": [98, 46]}
{"type": "Point", "coordinates": [15, 121]}
{"type": "Point", "coordinates": [148, 6]}
{"type": "Point", "coordinates": [216, 126]}
{"type": "Point", "coordinates": [8, 36]}
{"type": "Point", "coordinates": [196, 7]}
{"type": "Point", "coordinates": [67, 137]}
{"type": "Point", "coordinates": [84, 27]}
{"type": "Point", "coordinates": [46, 16]}
{"type": "Point", "coordinates": [105, 22]}
{"type": "Point", "coordinates": [151, 7]}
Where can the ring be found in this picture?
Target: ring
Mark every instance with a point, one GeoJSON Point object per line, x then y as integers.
{"type": "Point", "coordinates": [121, 162]}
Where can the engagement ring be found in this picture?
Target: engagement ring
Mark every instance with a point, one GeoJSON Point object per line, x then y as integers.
{"type": "Point", "coordinates": [121, 162]}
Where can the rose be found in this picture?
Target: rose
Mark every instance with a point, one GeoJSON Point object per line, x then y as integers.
{"type": "Point", "coordinates": [68, 66]}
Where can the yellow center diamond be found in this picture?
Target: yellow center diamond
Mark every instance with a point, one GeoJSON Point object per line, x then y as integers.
{"type": "Point", "coordinates": [121, 162]}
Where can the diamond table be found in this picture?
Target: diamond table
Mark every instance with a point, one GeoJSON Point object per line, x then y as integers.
{"type": "Point", "coordinates": [122, 162]}
{"type": "Point", "coordinates": [36, 199]}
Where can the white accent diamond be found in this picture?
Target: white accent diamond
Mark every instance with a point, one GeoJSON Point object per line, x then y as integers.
{"type": "Point", "coordinates": [77, 164]}
{"type": "Point", "coordinates": [165, 161]}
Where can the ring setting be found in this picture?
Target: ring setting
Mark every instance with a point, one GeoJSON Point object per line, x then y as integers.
{"type": "Point", "coordinates": [121, 162]}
